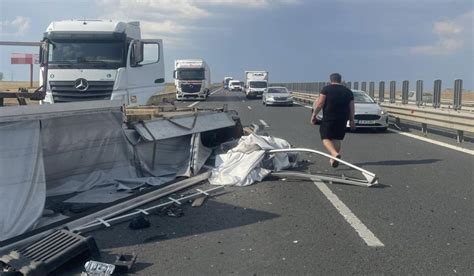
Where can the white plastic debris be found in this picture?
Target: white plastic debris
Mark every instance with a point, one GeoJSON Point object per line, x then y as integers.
{"type": "Point", "coordinates": [242, 165]}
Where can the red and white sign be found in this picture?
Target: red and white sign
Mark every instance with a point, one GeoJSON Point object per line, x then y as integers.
{"type": "Point", "coordinates": [24, 58]}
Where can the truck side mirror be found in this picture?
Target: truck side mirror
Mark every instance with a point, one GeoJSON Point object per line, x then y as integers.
{"type": "Point", "coordinates": [174, 74]}
{"type": "Point", "coordinates": [137, 53]}
{"type": "Point", "coordinates": [43, 53]}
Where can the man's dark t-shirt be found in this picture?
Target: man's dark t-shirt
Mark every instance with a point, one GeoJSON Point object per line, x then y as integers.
{"type": "Point", "coordinates": [336, 106]}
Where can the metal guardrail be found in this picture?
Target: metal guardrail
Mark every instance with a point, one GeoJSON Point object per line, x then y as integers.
{"type": "Point", "coordinates": [420, 96]}
{"type": "Point", "coordinates": [460, 121]}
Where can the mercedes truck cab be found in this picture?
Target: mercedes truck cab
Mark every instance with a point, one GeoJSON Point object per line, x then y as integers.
{"type": "Point", "coordinates": [102, 60]}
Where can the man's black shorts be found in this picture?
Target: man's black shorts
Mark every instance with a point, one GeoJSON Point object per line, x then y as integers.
{"type": "Point", "coordinates": [333, 130]}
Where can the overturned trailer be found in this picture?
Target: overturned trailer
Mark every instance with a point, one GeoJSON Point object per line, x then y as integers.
{"type": "Point", "coordinates": [97, 153]}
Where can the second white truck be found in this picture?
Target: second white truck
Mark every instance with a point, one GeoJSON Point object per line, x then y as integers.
{"type": "Point", "coordinates": [192, 79]}
{"type": "Point", "coordinates": [256, 82]}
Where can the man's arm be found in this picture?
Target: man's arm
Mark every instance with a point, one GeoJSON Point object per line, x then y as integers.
{"type": "Point", "coordinates": [352, 115]}
{"type": "Point", "coordinates": [317, 106]}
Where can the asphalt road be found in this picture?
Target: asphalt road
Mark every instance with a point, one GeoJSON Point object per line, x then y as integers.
{"type": "Point", "coordinates": [422, 214]}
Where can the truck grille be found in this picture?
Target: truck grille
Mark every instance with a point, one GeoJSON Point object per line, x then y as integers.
{"type": "Point", "coordinates": [64, 91]}
{"type": "Point", "coordinates": [370, 117]}
{"type": "Point", "coordinates": [190, 88]}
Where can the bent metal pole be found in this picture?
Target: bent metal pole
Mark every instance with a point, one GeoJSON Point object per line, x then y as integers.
{"type": "Point", "coordinates": [371, 177]}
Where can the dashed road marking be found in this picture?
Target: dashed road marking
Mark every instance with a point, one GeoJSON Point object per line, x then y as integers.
{"type": "Point", "coordinates": [193, 104]}
{"type": "Point", "coordinates": [369, 238]}
{"type": "Point", "coordinates": [264, 123]}
{"type": "Point", "coordinates": [442, 144]}
{"type": "Point", "coordinates": [249, 107]}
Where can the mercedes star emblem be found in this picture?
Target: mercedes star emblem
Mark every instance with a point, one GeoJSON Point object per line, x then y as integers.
{"type": "Point", "coordinates": [81, 84]}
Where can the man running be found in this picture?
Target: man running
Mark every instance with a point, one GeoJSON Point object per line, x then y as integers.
{"type": "Point", "coordinates": [337, 103]}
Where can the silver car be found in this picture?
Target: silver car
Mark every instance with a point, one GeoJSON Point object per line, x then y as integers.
{"type": "Point", "coordinates": [277, 96]}
{"type": "Point", "coordinates": [368, 114]}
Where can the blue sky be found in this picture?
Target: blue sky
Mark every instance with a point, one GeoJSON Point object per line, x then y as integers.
{"type": "Point", "coordinates": [296, 40]}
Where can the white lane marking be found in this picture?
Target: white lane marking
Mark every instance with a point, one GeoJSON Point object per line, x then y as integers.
{"type": "Point", "coordinates": [264, 123]}
{"type": "Point", "coordinates": [249, 107]}
{"type": "Point", "coordinates": [369, 238]}
{"type": "Point", "coordinates": [446, 145]}
{"type": "Point", "coordinates": [193, 104]}
{"type": "Point", "coordinates": [215, 91]}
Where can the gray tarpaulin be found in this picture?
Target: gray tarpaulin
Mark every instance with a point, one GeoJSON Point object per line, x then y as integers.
{"type": "Point", "coordinates": [164, 128]}
{"type": "Point", "coordinates": [85, 150]}
{"type": "Point", "coordinates": [22, 180]}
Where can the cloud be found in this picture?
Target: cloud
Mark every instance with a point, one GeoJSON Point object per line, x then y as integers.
{"type": "Point", "coordinates": [18, 26]}
{"type": "Point", "coordinates": [249, 3]}
{"type": "Point", "coordinates": [452, 35]}
{"type": "Point", "coordinates": [172, 19]}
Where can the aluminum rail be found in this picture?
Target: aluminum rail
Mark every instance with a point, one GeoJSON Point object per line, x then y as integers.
{"type": "Point", "coordinates": [331, 179]}
{"type": "Point", "coordinates": [107, 222]}
{"type": "Point", "coordinates": [369, 176]}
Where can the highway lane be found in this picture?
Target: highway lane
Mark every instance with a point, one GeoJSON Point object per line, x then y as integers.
{"type": "Point", "coordinates": [427, 205]}
{"type": "Point", "coordinates": [422, 213]}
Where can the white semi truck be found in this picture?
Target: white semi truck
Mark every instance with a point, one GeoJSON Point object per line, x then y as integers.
{"type": "Point", "coordinates": [102, 60]}
{"type": "Point", "coordinates": [256, 82]}
{"type": "Point", "coordinates": [192, 79]}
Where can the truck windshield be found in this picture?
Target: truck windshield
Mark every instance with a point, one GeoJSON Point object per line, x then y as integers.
{"type": "Point", "coordinates": [190, 74]}
{"type": "Point", "coordinates": [87, 54]}
{"type": "Point", "coordinates": [258, 84]}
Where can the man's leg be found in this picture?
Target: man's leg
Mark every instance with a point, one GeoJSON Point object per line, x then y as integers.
{"type": "Point", "coordinates": [331, 147]}
{"type": "Point", "coordinates": [337, 145]}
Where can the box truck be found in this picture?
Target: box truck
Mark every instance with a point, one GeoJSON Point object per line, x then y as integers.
{"type": "Point", "coordinates": [256, 82]}
{"type": "Point", "coordinates": [226, 82]}
{"type": "Point", "coordinates": [192, 79]}
{"type": "Point", "coordinates": [102, 60]}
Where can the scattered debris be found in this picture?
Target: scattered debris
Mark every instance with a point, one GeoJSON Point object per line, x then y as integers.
{"type": "Point", "coordinates": [124, 263]}
{"type": "Point", "coordinates": [171, 210]}
{"type": "Point", "coordinates": [199, 201]}
{"type": "Point", "coordinates": [94, 268]}
{"type": "Point", "coordinates": [139, 223]}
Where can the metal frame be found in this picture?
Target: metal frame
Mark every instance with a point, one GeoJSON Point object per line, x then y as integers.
{"type": "Point", "coordinates": [371, 178]}
{"type": "Point", "coordinates": [108, 222]}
